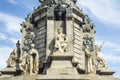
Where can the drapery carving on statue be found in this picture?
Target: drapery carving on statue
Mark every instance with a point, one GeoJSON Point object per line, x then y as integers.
{"type": "Point", "coordinates": [89, 62]}
{"type": "Point", "coordinates": [23, 65]}
{"type": "Point", "coordinates": [29, 64]}
{"type": "Point", "coordinates": [14, 56]}
{"type": "Point", "coordinates": [60, 41]}
{"type": "Point", "coordinates": [28, 40]}
{"type": "Point", "coordinates": [33, 60]}
{"type": "Point", "coordinates": [101, 63]}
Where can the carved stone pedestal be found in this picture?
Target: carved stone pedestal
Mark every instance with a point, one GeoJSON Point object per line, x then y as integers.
{"type": "Point", "coordinates": [61, 77]}
{"type": "Point", "coordinates": [106, 72]}
{"type": "Point", "coordinates": [61, 64]}
{"type": "Point", "coordinates": [8, 72]}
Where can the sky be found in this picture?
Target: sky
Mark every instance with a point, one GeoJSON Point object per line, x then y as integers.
{"type": "Point", "coordinates": [105, 14]}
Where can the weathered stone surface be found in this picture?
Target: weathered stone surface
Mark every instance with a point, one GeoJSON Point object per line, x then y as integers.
{"type": "Point", "coordinates": [61, 64]}
{"type": "Point", "coordinates": [61, 56]}
{"type": "Point", "coordinates": [68, 54]}
{"type": "Point", "coordinates": [7, 72]}
{"type": "Point", "coordinates": [61, 77]}
{"type": "Point", "coordinates": [25, 77]}
{"type": "Point", "coordinates": [106, 72]}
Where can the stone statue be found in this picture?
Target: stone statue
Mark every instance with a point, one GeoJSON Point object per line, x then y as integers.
{"type": "Point", "coordinates": [33, 60]}
{"type": "Point", "coordinates": [27, 33]}
{"type": "Point", "coordinates": [92, 25]}
{"type": "Point", "coordinates": [30, 62]}
{"type": "Point", "coordinates": [23, 31]}
{"type": "Point", "coordinates": [88, 41]}
{"type": "Point", "coordinates": [29, 39]}
{"type": "Point", "coordinates": [25, 52]}
{"type": "Point", "coordinates": [14, 56]}
{"type": "Point", "coordinates": [87, 25]}
{"type": "Point", "coordinates": [86, 28]}
{"type": "Point", "coordinates": [28, 23]}
{"type": "Point", "coordinates": [28, 36]}
{"type": "Point", "coordinates": [101, 63]}
{"type": "Point", "coordinates": [89, 69]}
{"type": "Point", "coordinates": [11, 62]}
{"type": "Point", "coordinates": [23, 63]}
{"type": "Point", "coordinates": [60, 41]}
{"type": "Point", "coordinates": [86, 19]}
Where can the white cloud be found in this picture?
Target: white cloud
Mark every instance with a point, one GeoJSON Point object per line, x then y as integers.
{"type": "Point", "coordinates": [8, 38]}
{"type": "Point", "coordinates": [106, 11]}
{"type": "Point", "coordinates": [12, 1]}
{"type": "Point", "coordinates": [14, 40]}
{"type": "Point", "coordinates": [12, 28]}
{"type": "Point", "coordinates": [111, 46]}
{"type": "Point", "coordinates": [111, 57]}
{"type": "Point", "coordinates": [12, 23]}
{"type": "Point", "coordinates": [2, 36]}
{"type": "Point", "coordinates": [29, 4]}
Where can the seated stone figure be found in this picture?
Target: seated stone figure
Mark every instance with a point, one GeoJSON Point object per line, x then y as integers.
{"type": "Point", "coordinates": [11, 62]}
{"type": "Point", "coordinates": [60, 41]}
{"type": "Point", "coordinates": [101, 63]}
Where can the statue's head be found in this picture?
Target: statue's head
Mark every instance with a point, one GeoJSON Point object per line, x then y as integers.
{"type": "Point", "coordinates": [59, 30]}
{"type": "Point", "coordinates": [32, 46]}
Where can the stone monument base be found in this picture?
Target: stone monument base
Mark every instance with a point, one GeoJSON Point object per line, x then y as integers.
{"type": "Point", "coordinates": [61, 64]}
{"type": "Point", "coordinates": [61, 77]}
{"type": "Point", "coordinates": [62, 68]}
